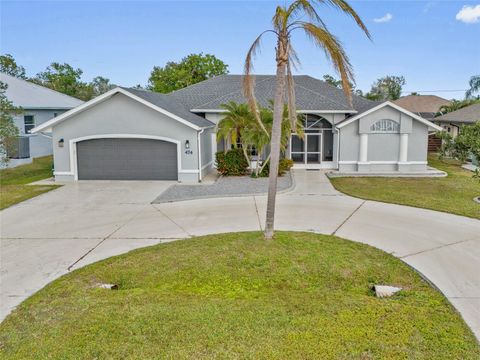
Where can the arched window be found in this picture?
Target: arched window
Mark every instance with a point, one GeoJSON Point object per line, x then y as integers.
{"type": "Point", "coordinates": [385, 126]}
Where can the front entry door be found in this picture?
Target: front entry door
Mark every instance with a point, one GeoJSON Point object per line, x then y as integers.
{"type": "Point", "coordinates": [307, 150]}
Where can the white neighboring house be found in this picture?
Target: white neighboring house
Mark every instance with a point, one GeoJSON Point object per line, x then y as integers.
{"type": "Point", "coordinates": [39, 105]}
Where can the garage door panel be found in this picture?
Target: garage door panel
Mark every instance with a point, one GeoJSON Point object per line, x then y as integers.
{"type": "Point", "coordinates": [127, 159]}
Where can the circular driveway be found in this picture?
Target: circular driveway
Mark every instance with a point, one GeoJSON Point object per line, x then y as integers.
{"type": "Point", "coordinates": [80, 223]}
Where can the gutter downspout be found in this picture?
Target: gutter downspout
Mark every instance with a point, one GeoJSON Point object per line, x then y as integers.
{"type": "Point", "coordinates": [199, 155]}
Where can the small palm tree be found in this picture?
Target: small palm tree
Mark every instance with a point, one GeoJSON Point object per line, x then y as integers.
{"type": "Point", "coordinates": [474, 86]}
{"type": "Point", "coordinates": [285, 21]}
{"type": "Point", "coordinates": [237, 118]}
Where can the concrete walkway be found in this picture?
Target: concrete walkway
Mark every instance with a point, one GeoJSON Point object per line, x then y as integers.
{"type": "Point", "coordinates": [78, 224]}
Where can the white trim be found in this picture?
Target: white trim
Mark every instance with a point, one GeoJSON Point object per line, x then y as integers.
{"type": "Point", "coordinates": [49, 124]}
{"type": "Point", "coordinates": [382, 163]}
{"type": "Point", "coordinates": [322, 165]}
{"type": "Point", "coordinates": [399, 108]}
{"type": "Point", "coordinates": [63, 173]}
{"type": "Point", "coordinates": [199, 149]}
{"type": "Point", "coordinates": [194, 171]}
{"type": "Point", "coordinates": [73, 148]}
{"type": "Point", "coordinates": [207, 165]}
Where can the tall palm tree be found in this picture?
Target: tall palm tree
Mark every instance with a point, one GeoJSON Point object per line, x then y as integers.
{"type": "Point", "coordinates": [474, 86]}
{"type": "Point", "coordinates": [286, 20]}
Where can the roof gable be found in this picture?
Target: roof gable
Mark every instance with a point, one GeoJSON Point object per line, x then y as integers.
{"type": "Point", "coordinates": [32, 96]}
{"type": "Point", "coordinates": [396, 107]}
{"type": "Point", "coordinates": [421, 103]}
{"type": "Point", "coordinates": [157, 103]}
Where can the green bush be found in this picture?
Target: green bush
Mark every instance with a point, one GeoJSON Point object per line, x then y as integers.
{"type": "Point", "coordinates": [283, 166]}
{"type": "Point", "coordinates": [231, 163]}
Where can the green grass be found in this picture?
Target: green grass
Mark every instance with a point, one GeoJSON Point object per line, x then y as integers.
{"type": "Point", "coordinates": [453, 194]}
{"type": "Point", "coordinates": [237, 296]}
{"type": "Point", "coordinates": [13, 181]}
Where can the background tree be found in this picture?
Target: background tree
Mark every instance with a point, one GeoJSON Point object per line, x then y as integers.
{"type": "Point", "coordinates": [190, 70]}
{"type": "Point", "coordinates": [9, 66]}
{"type": "Point", "coordinates": [101, 85]}
{"type": "Point", "coordinates": [8, 131]}
{"type": "Point", "coordinates": [455, 105]}
{"type": "Point", "coordinates": [474, 84]}
{"type": "Point", "coordinates": [386, 88]}
{"type": "Point", "coordinates": [65, 79]}
{"type": "Point", "coordinates": [299, 15]}
{"type": "Point", "coordinates": [338, 84]}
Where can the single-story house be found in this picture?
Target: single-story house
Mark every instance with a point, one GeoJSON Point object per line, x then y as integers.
{"type": "Point", "coordinates": [39, 105]}
{"type": "Point", "coordinates": [452, 122]}
{"type": "Point", "coordinates": [136, 134]}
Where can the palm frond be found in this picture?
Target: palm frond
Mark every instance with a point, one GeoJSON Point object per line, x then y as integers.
{"type": "Point", "coordinates": [347, 9]}
{"type": "Point", "coordinates": [249, 79]}
{"type": "Point", "coordinates": [334, 52]}
{"type": "Point", "coordinates": [306, 7]}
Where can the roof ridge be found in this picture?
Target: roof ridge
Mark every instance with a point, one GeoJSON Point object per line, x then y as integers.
{"type": "Point", "coordinates": [227, 94]}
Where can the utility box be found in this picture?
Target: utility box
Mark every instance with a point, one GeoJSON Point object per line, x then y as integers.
{"type": "Point", "coordinates": [20, 149]}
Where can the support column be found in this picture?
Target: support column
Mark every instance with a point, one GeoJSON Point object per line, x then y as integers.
{"type": "Point", "coordinates": [214, 148]}
{"type": "Point", "coordinates": [363, 165]}
{"type": "Point", "coordinates": [403, 158]}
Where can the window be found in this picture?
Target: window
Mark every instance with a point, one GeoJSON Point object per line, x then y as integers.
{"type": "Point", "coordinates": [385, 126]}
{"type": "Point", "coordinates": [29, 123]}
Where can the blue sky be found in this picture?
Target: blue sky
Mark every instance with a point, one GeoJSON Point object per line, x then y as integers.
{"type": "Point", "coordinates": [123, 40]}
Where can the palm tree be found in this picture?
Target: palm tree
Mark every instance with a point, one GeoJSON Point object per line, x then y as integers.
{"type": "Point", "coordinates": [237, 118]}
{"type": "Point", "coordinates": [285, 21]}
{"type": "Point", "coordinates": [474, 86]}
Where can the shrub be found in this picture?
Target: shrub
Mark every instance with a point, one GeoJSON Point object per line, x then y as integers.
{"type": "Point", "coordinates": [283, 166]}
{"type": "Point", "coordinates": [231, 163]}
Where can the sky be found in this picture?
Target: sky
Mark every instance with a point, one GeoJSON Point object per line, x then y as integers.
{"type": "Point", "coordinates": [435, 45]}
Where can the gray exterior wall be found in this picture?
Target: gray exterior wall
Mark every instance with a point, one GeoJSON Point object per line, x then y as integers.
{"type": "Point", "coordinates": [206, 145]}
{"type": "Point", "coordinates": [122, 115]}
{"type": "Point", "coordinates": [383, 150]}
{"type": "Point", "coordinates": [39, 145]}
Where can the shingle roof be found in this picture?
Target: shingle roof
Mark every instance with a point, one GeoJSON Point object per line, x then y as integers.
{"type": "Point", "coordinates": [171, 105]}
{"type": "Point", "coordinates": [311, 94]}
{"type": "Point", "coordinates": [422, 104]}
{"type": "Point", "coordinates": [32, 96]}
{"type": "Point", "coordinates": [468, 114]}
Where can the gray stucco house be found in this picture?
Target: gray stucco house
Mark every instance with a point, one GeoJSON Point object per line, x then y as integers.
{"type": "Point", "coordinates": [137, 134]}
{"type": "Point", "coordinates": [39, 105]}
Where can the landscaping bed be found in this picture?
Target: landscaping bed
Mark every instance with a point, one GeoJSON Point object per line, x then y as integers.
{"type": "Point", "coordinates": [225, 186]}
{"type": "Point", "coordinates": [301, 295]}
{"type": "Point", "coordinates": [453, 193]}
{"type": "Point", "coordinates": [14, 182]}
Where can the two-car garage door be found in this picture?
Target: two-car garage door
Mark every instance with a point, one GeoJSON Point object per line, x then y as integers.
{"type": "Point", "coordinates": [126, 159]}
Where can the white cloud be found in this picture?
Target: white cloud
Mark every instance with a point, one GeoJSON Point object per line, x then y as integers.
{"type": "Point", "coordinates": [469, 14]}
{"type": "Point", "coordinates": [385, 18]}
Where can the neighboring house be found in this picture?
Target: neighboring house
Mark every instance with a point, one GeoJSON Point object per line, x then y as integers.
{"type": "Point", "coordinates": [426, 106]}
{"type": "Point", "coordinates": [136, 134]}
{"type": "Point", "coordinates": [452, 122]}
{"type": "Point", "coordinates": [39, 105]}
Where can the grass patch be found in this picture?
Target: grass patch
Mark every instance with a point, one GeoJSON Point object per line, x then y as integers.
{"type": "Point", "coordinates": [236, 296]}
{"type": "Point", "coordinates": [453, 194]}
{"type": "Point", "coordinates": [13, 181]}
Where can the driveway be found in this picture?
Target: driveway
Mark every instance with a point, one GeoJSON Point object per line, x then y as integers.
{"type": "Point", "coordinates": [78, 224]}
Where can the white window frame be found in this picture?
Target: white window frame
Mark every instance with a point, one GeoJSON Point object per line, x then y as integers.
{"type": "Point", "coordinates": [25, 124]}
{"type": "Point", "coordinates": [385, 126]}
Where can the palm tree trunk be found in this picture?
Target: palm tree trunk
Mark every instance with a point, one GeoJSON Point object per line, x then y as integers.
{"type": "Point", "coordinates": [278, 105]}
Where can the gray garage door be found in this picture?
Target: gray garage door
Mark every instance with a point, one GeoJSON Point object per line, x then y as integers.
{"type": "Point", "coordinates": [126, 159]}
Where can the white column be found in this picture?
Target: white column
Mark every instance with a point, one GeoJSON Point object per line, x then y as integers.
{"type": "Point", "coordinates": [214, 147]}
{"type": "Point", "coordinates": [403, 148]}
{"type": "Point", "coordinates": [363, 148]}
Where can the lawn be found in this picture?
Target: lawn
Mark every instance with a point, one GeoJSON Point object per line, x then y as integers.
{"type": "Point", "coordinates": [237, 296]}
{"type": "Point", "coordinates": [453, 194]}
{"type": "Point", "coordinates": [13, 182]}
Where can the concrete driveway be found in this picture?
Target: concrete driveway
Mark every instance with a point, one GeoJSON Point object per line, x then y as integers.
{"type": "Point", "coordinates": [78, 224]}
